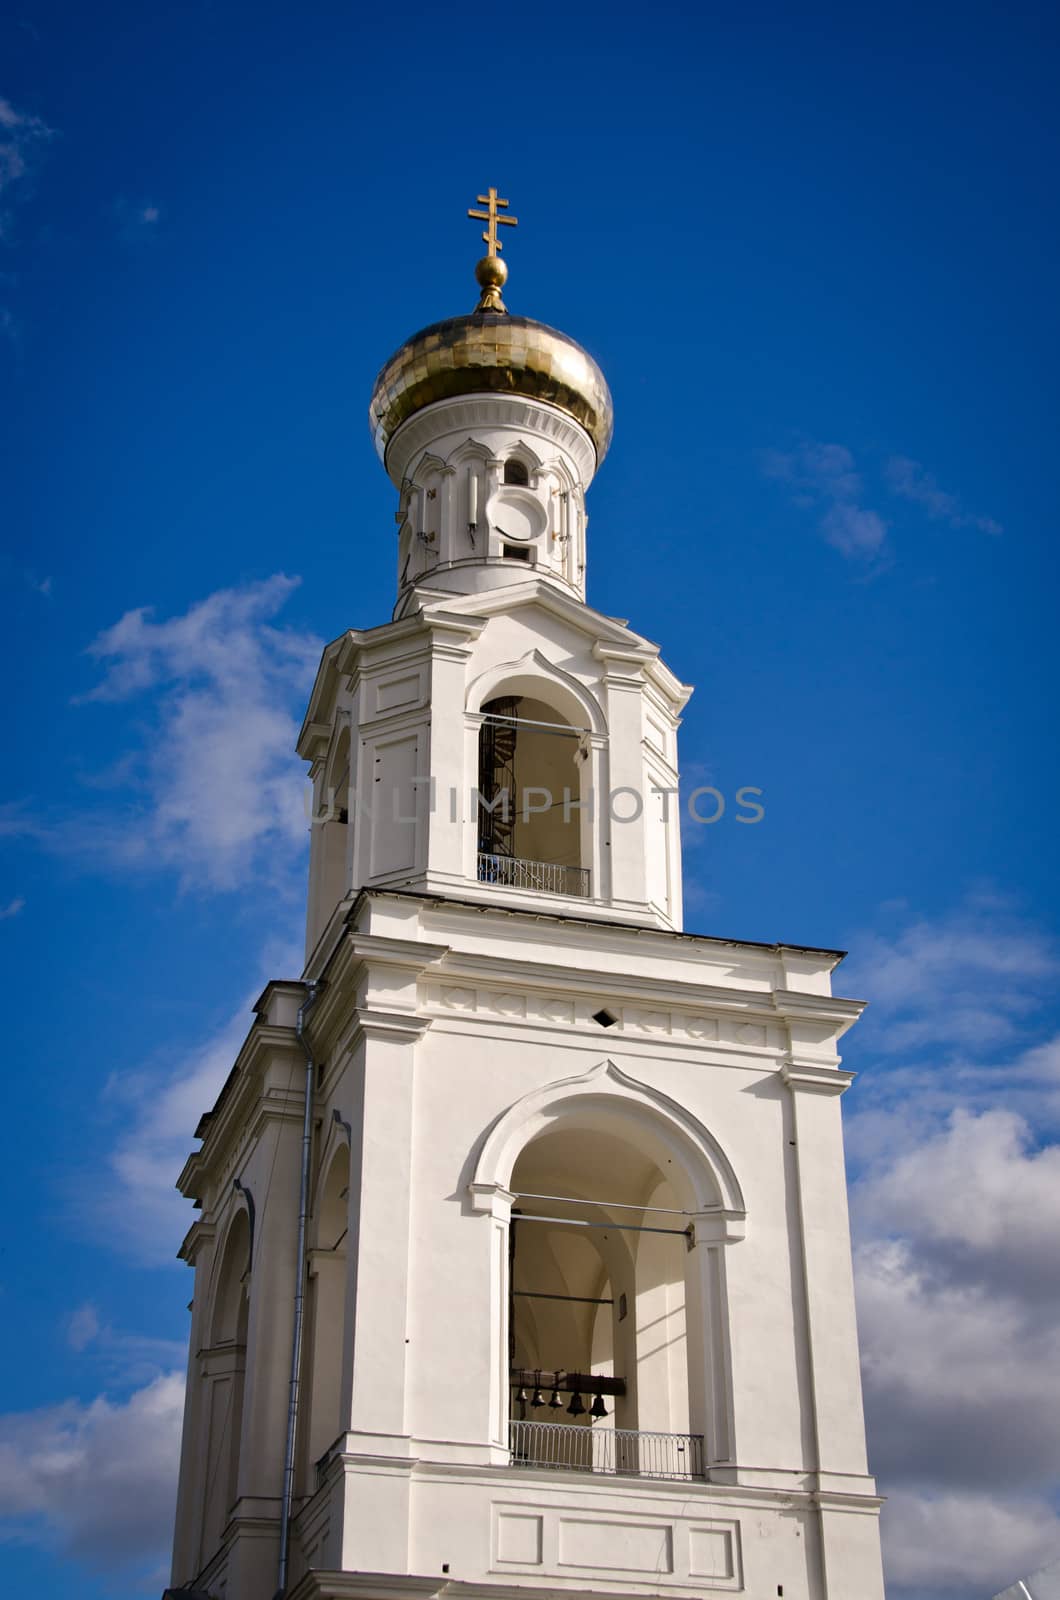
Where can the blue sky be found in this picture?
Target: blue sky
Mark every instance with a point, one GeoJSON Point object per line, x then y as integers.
{"type": "Point", "coordinates": [814, 251]}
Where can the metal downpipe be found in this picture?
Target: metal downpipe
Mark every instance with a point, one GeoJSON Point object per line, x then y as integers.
{"type": "Point", "coordinates": [312, 991]}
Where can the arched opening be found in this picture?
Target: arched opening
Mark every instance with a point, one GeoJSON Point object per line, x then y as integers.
{"type": "Point", "coordinates": [515, 471]}
{"type": "Point", "coordinates": [223, 1379]}
{"type": "Point", "coordinates": [599, 1330]}
{"type": "Point", "coordinates": [327, 1318]}
{"type": "Point", "coordinates": [531, 823]}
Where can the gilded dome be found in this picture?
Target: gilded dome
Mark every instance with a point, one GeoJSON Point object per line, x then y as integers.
{"type": "Point", "coordinates": [491, 352]}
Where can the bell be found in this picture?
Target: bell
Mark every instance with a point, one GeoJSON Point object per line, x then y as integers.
{"type": "Point", "coordinates": [599, 1409]}
{"type": "Point", "coordinates": [554, 1402]}
{"type": "Point", "coordinates": [576, 1409]}
{"type": "Point", "coordinates": [520, 1398]}
{"type": "Point", "coordinates": [537, 1399]}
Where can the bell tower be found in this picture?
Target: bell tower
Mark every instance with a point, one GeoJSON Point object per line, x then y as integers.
{"type": "Point", "coordinates": [522, 1260]}
{"type": "Point", "coordinates": [499, 741]}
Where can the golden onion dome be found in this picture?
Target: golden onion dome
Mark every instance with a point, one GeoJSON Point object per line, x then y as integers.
{"type": "Point", "coordinates": [490, 352]}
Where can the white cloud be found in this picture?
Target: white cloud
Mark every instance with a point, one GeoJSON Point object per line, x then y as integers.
{"type": "Point", "coordinates": [98, 1480]}
{"type": "Point", "coordinates": [125, 1358]}
{"type": "Point", "coordinates": [22, 137]}
{"type": "Point", "coordinates": [964, 981]}
{"type": "Point", "coordinates": [82, 1327]}
{"type": "Point", "coordinates": [20, 134]}
{"type": "Point", "coordinates": [825, 476]}
{"type": "Point", "coordinates": [213, 789]}
{"type": "Point", "coordinates": [159, 1106]}
{"type": "Point", "coordinates": [956, 1213]}
{"type": "Point", "coordinates": [12, 908]}
{"type": "Point", "coordinates": [136, 220]}
{"type": "Point", "coordinates": [964, 1544]}
{"type": "Point", "coordinates": [912, 481]}
{"type": "Point", "coordinates": [854, 530]}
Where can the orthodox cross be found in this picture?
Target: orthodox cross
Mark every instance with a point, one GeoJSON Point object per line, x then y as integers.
{"type": "Point", "coordinates": [491, 217]}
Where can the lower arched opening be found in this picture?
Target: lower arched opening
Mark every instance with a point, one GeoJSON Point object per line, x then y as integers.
{"type": "Point", "coordinates": [601, 1332]}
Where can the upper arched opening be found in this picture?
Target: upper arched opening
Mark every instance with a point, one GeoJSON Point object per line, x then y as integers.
{"type": "Point", "coordinates": [530, 823]}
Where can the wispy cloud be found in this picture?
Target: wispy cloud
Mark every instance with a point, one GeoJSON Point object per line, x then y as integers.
{"type": "Point", "coordinates": [825, 477]}
{"type": "Point", "coordinates": [82, 1327]}
{"type": "Point", "coordinates": [23, 137]}
{"type": "Point", "coordinates": [157, 1105]}
{"type": "Point", "coordinates": [956, 1211]}
{"type": "Point", "coordinates": [209, 785]}
{"type": "Point", "coordinates": [912, 481]}
{"type": "Point", "coordinates": [96, 1480]}
{"type": "Point", "coordinates": [12, 908]}
{"type": "Point", "coordinates": [136, 219]}
{"type": "Point", "coordinates": [964, 981]}
{"type": "Point", "coordinates": [128, 1359]}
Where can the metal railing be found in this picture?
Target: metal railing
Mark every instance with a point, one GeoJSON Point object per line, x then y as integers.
{"type": "Point", "coordinates": [549, 877]}
{"type": "Point", "coordinates": [622, 1451]}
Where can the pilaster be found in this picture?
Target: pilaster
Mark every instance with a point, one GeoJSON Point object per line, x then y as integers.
{"type": "Point", "coordinates": [827, 1272]}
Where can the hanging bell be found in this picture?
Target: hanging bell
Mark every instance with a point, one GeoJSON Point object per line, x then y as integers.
{"type": "Point", "coordinates": [520, 1398]}
{"type": "Point", "coordinates": [537, 1399]}
{"type": "Point", "coordinates": [598, 1408]}
{"type": "Point", "coordinates": [576, 1408]}
{"type": "Point", "coordinates": [555, 1402]}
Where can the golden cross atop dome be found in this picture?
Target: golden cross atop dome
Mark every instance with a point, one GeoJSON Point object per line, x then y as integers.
{"type": "Point", "coordinates": [489, 238]}
{"type": "Point", "coordinates": [491, 271]}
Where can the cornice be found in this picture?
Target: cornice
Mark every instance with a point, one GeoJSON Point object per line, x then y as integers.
{"type": "Point", "coordinates": [816, 1080]}
{"type": "Point", "coordinates": [535, 590]}
{"type": "Point", "coordinates": [355, 950]}
{"type": "Point", "coordinates": [466, 413]}
{"type": "Point", "coordinates": [395, 1027]}
{"type": "Point", "coordinates": [635, 657]}
{"type": "Point", "coordinates": [806, 1006]}
{"type": "Point", "coordinates": [507, 971]}
{"type": "Point", "coordinates": [232, 1107]}
{"type": "Point", "coordinates": [325, 687]}
{"type": "Point", "coordinates": [199, 1234]}
{"type": "Point", "coordinates": [623, 932]}
{"type": "Point", "coordinates": [342, 658]}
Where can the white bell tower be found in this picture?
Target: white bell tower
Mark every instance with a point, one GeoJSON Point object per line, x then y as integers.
{"type": "Point", "coordinates": [523, 1261]}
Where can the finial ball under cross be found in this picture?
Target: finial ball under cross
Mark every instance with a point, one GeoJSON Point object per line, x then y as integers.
{"type": "Point", "coordinates": [491, 271]}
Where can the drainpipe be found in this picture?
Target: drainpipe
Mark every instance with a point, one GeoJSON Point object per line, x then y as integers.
{"type": "Point", "coordinates": [312, 990]}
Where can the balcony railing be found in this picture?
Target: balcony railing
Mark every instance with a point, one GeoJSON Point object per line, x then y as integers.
{"type": "Point", "coordinates": [548, 877]}
{"type": "Point", "coordinates": [621, 1451]}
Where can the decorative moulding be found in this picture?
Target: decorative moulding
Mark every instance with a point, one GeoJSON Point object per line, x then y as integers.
{"type": "Point", "coordinates": [472, 413]}
{"type": "Point", "coordinates": [816, 1080]}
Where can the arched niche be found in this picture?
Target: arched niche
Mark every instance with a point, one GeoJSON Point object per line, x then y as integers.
{"type": "Point", "coordinates": [223, 1376]}
{"type": "Point", "coordinates": [327, 1318]}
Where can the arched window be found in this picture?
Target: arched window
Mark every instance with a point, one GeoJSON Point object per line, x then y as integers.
{"type": "Point", "coordinates": [327, 1267]}
{"type": "Point", "coordinates": [223, 1377]}
{"type": "Point", "coordinates": [531, 826]}
{"type": "Point", "coordinates": [515, 472]}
